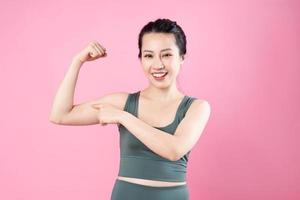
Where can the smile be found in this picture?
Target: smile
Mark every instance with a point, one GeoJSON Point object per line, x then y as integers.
{"type": "Point", "coordinates": [158, 75]}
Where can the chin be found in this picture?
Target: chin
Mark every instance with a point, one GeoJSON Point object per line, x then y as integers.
{"type": "Point", "coordinates": [161, 85]}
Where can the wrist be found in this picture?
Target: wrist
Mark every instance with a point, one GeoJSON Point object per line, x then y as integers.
{"type": "Point", "coordinates": [124, 117]}
{"type": "Point", "coordinates": [77, 63]}
{"type": "Point", "coordinates": [77, 60]}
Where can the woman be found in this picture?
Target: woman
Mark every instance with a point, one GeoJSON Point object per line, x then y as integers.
{"type": "Point", "coordinates": [158, 125]}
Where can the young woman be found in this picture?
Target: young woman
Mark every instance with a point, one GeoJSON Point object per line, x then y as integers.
{"type": "Point", "coordinates": [158, 125]}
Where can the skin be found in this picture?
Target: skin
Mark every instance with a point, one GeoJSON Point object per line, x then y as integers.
{"type": "Point", "coordinates": [155, 59]}
{"type": "Point", "coordinates": [160, 98]}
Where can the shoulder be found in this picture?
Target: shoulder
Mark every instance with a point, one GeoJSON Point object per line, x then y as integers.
{"type": "Point", "coordinates": [199, 106]}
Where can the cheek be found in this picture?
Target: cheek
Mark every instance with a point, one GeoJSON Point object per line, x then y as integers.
{"type": "Point", "coordinates": [172, 62]}
{"type": "Point", "coordinates": [145, 69]}
{"type": "Point", "coordinates": [146, 65]}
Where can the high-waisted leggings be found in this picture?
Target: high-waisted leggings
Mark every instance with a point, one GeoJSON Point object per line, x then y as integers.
{"type": "Point", "coordinates": [124, 190]}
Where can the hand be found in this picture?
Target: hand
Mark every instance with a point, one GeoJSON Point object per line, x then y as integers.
{"type": "Point", "coordinates": [91, 52]}
{"type": "Point", "coordinates": [108, 113]}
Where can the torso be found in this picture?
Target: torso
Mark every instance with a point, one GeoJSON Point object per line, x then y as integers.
{"type": "Point", "coordinates": [148, 111]}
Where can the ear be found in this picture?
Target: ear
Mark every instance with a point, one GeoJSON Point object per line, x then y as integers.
{"type": "Point", "coordinates": [182, 59]}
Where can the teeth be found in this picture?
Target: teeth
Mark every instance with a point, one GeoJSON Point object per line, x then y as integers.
{"type": "Point", "coordinates": [159, 74]}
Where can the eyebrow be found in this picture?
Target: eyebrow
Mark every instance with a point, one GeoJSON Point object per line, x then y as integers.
{"type": "Point", "coordinates": [161, 50]}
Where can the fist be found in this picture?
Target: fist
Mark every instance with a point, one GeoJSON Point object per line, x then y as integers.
{"type": "Point", "coordinates": [91, 52]}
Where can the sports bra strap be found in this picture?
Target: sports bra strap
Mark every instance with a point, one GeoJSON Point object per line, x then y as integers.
{"type": "Point", "coordinates": [185, 106]}
{"type": "Point", "coordinates": [130, 103]}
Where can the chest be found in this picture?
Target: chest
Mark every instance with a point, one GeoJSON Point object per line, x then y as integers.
{"type": "Point", "coordinates": [157, 114]}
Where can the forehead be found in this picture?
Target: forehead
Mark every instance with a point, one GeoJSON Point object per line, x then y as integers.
{"type": "Point", "coordinates": [158, 41]}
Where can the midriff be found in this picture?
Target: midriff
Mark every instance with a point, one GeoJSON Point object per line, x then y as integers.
{"type": "Point", "coordinates": [150, 182]}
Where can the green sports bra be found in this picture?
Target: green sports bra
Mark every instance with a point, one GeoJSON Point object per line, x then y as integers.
{"type": "Point", "coordinates": [138, 161]}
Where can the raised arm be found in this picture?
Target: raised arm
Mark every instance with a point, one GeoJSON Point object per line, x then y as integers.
{"type": "Point", "coordinates": [63, 109]}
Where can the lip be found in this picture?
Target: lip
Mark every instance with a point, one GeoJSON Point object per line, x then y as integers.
{"type": "Point", "coordinates": [160, 78]}
{"type": "Point", "coordinates": [158, 72]}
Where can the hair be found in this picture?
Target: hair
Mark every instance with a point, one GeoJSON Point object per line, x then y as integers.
{"type": "Point", "coordinates": [164, 26]}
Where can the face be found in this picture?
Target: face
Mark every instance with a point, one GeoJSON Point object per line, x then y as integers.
{"type": "Point", "coordinates": [160, 59]}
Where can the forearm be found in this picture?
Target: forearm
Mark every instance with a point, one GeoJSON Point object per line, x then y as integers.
{"type": "Point", "coordinates": [158, 141]}
{"type": "Point", "coordinates": [63, 100]}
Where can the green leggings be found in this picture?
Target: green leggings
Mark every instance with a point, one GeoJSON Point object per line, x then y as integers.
{"type": "Point", "coordinates": [124, 190]}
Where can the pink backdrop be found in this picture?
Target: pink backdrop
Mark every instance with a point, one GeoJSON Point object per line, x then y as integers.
{"type": "Point", "coordinates": [243, 57]}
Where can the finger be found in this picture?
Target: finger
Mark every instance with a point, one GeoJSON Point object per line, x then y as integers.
{"type": "Point", "coordinates": [93, 52]}
{"type": "Point", "coordinates": [97, 48]}
{"type": "Point", "coordinates": [102, 123]}
{"type": "Point", "coordinates": [94, 44]}
{"type": "Point", "coordinates": [100, 47]}
{"type": "Point", "coordinates": [104, 49]}
{"type": "Point", "coordinates": [96, 106]}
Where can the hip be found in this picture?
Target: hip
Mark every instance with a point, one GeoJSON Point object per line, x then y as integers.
{"type": "Point", "coordinates": [124, 190]}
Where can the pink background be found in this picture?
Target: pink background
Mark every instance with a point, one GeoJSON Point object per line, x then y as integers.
{"type": "Point", "coordinates": [242, 57]}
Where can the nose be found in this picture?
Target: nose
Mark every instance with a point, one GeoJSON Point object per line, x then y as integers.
{"type": "Point", "coordinates": [158, 64]}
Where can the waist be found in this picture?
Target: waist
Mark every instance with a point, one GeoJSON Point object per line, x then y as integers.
{"type": "Point", "coordinates": [152, 169]}
{"type": "Point", "coordinates": [150, 182]}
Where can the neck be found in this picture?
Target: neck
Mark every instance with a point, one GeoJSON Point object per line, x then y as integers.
{"type": "Point", "coordinates": [162, 94]}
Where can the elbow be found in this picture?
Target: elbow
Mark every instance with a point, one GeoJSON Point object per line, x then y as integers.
{"type": "Point", "coordinates": [54, 120]}
{"type": "Point", "coordinates": [174, 156]}
{"type": "Point", "coordinates": [175, 152]}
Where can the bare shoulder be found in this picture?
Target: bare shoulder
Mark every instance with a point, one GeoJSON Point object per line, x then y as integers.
{"type": "Point", "coordinates": [200, 106]}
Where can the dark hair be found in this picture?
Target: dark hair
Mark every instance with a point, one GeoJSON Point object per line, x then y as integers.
{"type": "Point", "coordinates": [164, 26]}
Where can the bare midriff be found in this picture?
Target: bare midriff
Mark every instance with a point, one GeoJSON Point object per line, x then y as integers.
{"type": "Point", "coordinates": [150, 182]}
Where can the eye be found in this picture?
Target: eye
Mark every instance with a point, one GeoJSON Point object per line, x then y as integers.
{"type": "Point", "coordinates": [147, 56]}
{"type": "Point", "coordinates": [168, 54]}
